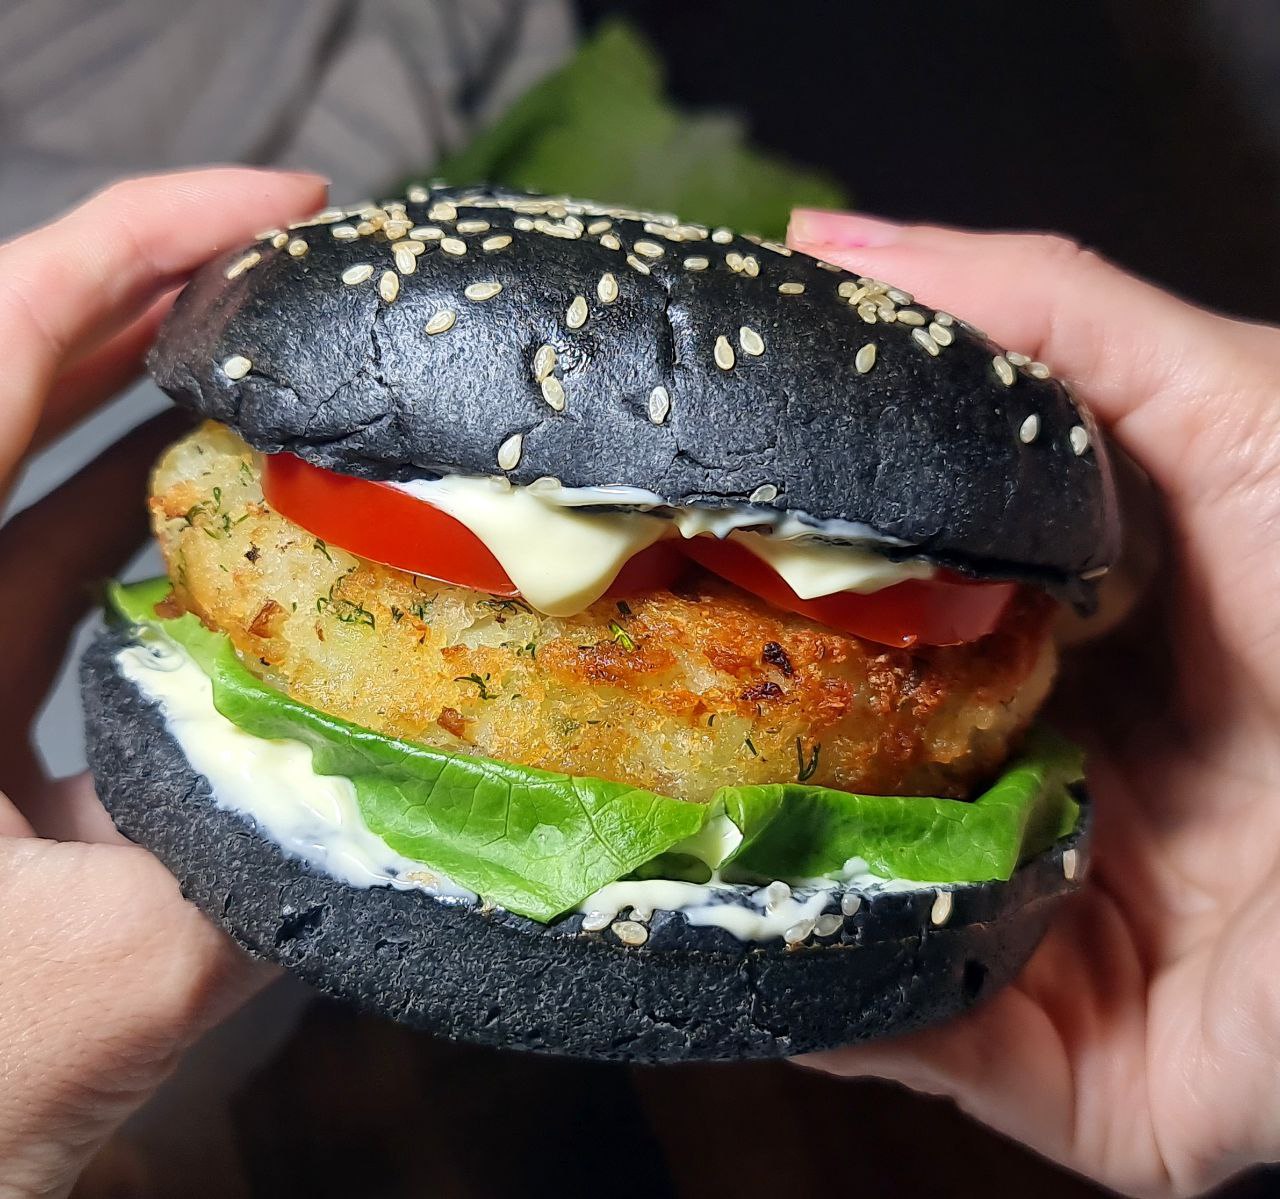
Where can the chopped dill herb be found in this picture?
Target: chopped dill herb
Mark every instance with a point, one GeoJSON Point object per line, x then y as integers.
{"type": "Point", "coordinates": [755, 753]}
{"type": "Point", "coordinates": [217, 499]}
{"type": "Point", "coordinates": [624, 607]}
{"type": "Point", "coordinates": [345, 610]}
{"type": "Point", "coordinates": [621, 636]}
{"type": "Point", "coordinates": [420, 610]}
{"type": "Point", "coordinates": [481, 683]}
{"type": "Point", "coordinates": [397, 614]}
{"type": "Point", "coordinates": [323, 548]}
{"type": "Point", "coordinates": [805, 770]}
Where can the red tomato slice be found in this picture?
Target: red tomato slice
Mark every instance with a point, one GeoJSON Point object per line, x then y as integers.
{"type": "Point", "coordinates": [383, 524]}
{"type": "Point", "coordinates": [939, 611]}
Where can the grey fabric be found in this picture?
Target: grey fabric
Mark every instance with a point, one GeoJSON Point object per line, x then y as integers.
{"type": "Point", "coordinates": [366, 92]}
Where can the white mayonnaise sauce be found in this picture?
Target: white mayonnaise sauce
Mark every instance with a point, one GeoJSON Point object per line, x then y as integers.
{"type": "Point", "coordinates": [316, 818]}
{"type": "Point", "coordinates": [562, 553]}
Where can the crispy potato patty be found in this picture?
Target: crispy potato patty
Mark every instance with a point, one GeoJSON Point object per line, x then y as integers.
{"type": "Point", "coordinates": [681, 693]}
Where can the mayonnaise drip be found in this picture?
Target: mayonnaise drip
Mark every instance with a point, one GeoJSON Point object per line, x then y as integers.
{"type": "Point", "coordinates": [561, 550]}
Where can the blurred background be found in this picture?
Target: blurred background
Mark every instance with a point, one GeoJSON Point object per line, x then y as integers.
{"type": "Point", "coordinates": [1148, 129]}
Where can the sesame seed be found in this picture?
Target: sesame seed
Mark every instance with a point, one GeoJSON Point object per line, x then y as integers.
{"type": "Point", "coordinates": [365, 229]}
{"type": "Point", "coordinates": [485, 290]}
{"type": "Point", "coordinates": [510, 450]}
{"type": "Point", "coordinates": [576, 314]}
{"type": "Point", "coordinates": [734, 261]}
{"type": "Point", "coordinates": [826, 926]}
{"type": "Point", "coordinates": [659, 404]}
{"type": "Point", "coordinates": [426, 233]}
{"type": "Point", "coordinates": [945, 319]}
{"type": "Point", "coordinates": [417, 195]}
{"type": "Point", "coordinates": [1029, 430]}
{"type": "Point", "coordinates": [328, 216]}
{"type": "Point", "coordinates": [764, 494]}
{"type": "Point", "coordinates": [610, 241]}
{"type": "Point", "coordinates": [868, 313]}
{"type": "Point", "coordinates": [650, 249]}
{"type": "Point", "coordinates": [1079, 436]}
{"type": "Point", "coordinates": [828, 266]}
{"type": "Point", "coordinates": [777, 892]}
{"type": "Point", "coordinates": [279, 240]}
{"type": "Point", "coordinates": [1004, 372]}
{"type": "Point", "coordinates": [940, 913]}
{"type": "Point", "coordinates": [777, 248]}
{"type": "Point", "coordinates": [236, 367]}
{"type": "Point", "coordinates": [444, 211]}
{"type": "Point", "coordinates": [724, 353]}
{"type": "Point", "coordinates": [594, 922]}
{"type": "Point", "coordinates": [636, 264]}
{"type": "Point", "coordinates": [395, 230]}
{"type": "Point", "coordinates": [909, 316]}
{"type": "Point", "coordinates": [850, 903]}
{"type": "Point", "coordinates": [750, 341]}
{"type": "Point", "coordinates": [1096, 573]}
{"type": "Point", "coordinates": [1038, 370]}
{"type": "Point", "coordinates": [630, 932]}
{"type": "Point", "coordinates": [696, 262]}
{"type": "Point", "coordinates": [553, 392]}
{"type": "Point", "coordinates": [298, 247]}
{"type": "Point", "coordinates": [442, 321]}
{"type": "Point", "coordinates": [924, 341]}
{"type": "Point", "coordinates": [523, 223]}
{"type": "Point", "coordinates": [800, 931]}
{"type": "Point", "coordinates": [357, 274]}
{"type": "Point", "coordinates": [406, 260]}
{"type": "Point", "coordinates": [410, 247]}
{"type": "Point", "coordinates": [1070, 864]}
{"type": "Point", "coordinates": [941, 333]}
{"type": "Point", "coordinates": [751, 266]}
{"type": "Point", "coordinates": [642, 914]}
{"type": "Point", "coordinates": [267, 235]}
{"type": "Point", "coordinates": [388, 285]}
{"type": "Point", "coordinates": [791, 289]}
{"type": "Point", "coordinates": [598, 227]}
{"type": "Point", "coordinates": [238, 268]}
{"type": "Point", "coordinates": [499, 242]}
{"type": "Point", "coordinates": [900, 297]}
{"type": "Point", "coordinates": [544, 362]}
{"type": "Point", "coordinates": [722, 236]}
{"type": "Point", "coordinates": [847, 288]}
{"type": "Point", "coordinates": [453, 245]}
{"type": "Point", "coordinates": [473, 226]}
{"type": "Point", "coordinates": [559, 211]}
{"type": "Point", "coordinates": [607, 288]}
{"type": "Point", "coordinates": [1018, 359]}
{"type": "Point", "coordinates": [865, 358]}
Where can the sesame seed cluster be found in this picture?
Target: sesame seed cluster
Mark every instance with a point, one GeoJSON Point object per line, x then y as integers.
{"type": "Point", "coordinates": [605, 318]}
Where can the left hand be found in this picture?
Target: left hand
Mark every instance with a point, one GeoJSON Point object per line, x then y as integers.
{"type": "Point", "coordinates": [106, 973]}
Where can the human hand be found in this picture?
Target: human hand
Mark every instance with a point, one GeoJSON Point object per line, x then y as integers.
{"type": "Point", "coordinates": [106, 974]}
{"type": "Point", "coordinates": [1141, 1046]}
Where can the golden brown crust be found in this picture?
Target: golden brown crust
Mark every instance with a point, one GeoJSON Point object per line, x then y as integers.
{"type": "Point", "coordinates": [681, 693]}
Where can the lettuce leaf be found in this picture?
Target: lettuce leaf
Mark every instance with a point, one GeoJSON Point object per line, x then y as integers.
{"type": "Point", "coordinates": [797, 831]}
{"type": "Point", "coordinates": [603, 127]}
{"type": "Point", "coordinates": [533, 841]}
{"type": "Point", "coordinates": [538, 843]}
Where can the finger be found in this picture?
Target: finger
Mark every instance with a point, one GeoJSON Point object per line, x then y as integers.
{"type": "Point", "coordinates": [108, 259]}
{"type": "Point", "coordinates": [52, 551]}
{"type": "Point", "coordinates": [92, 379]}
{"type": "Point", "coordinates": [69, 810]}
{"type": "Point", "coordinates": [1148, 363]}
{"type": "Point", "coordinates": [12, 822]}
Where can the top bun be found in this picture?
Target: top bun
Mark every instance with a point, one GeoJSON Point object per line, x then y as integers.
{"type": "Point", "coordinates": [709, 367]}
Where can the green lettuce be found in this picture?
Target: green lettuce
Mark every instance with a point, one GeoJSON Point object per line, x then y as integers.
{"type": "Point", "coordinates": [602, 127]}
{"type": "Point", "coordinates": [538, 843]}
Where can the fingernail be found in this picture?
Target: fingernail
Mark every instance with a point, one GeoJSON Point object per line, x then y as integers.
{"type": "Point", "coordinates": [849, 230]}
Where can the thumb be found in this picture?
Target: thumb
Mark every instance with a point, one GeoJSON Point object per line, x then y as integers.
{"type": "Point", "coordinates": [1152, 367]}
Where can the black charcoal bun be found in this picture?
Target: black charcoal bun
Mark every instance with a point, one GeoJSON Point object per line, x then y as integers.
{"type": "Point", "coordinates": [726, 368]}
{"type": "Point", "coordinates": [903, 960]}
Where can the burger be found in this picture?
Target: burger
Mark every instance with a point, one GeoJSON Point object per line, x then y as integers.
{"type": "Point", "coordinates": [596, 633]}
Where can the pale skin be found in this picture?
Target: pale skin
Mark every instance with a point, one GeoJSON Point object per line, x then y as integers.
{"type": "Point", "coordinates": [1139, 1046]}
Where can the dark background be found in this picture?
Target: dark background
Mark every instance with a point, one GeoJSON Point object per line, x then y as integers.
{"type": "Point", "coordinates": [1119, 122]}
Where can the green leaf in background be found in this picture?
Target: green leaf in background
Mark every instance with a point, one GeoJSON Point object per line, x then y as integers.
{"type": "Point", "coordinates": [795, 831]}
{"type": "Point", "coordinates": [535, 842]}
{"type": "Point", "coordinates": [602, 128]}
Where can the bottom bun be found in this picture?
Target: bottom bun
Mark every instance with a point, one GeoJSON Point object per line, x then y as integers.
{"type": "Point", "coordinates": [903, 960]}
